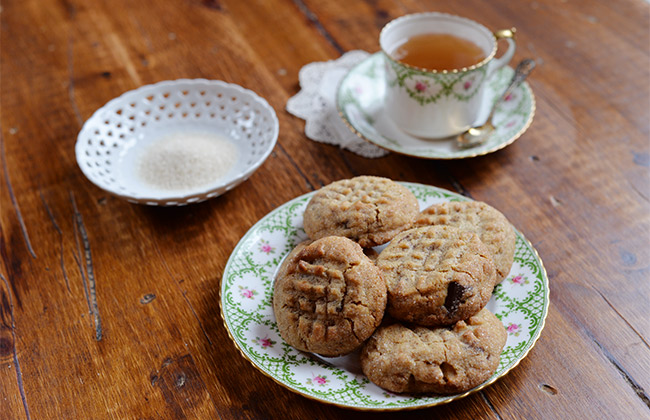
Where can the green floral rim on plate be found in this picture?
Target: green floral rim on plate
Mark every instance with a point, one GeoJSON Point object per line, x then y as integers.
{"type": "Point", "coordinates": [360, 98]}
{"type": "Point", "coordinates": [520, 302]}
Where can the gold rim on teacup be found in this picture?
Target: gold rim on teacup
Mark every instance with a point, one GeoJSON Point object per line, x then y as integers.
{"type": "Point", "coordinates": [497, 35]}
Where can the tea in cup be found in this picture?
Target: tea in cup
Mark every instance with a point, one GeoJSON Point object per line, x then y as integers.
{"type": "Point", "coordinates": [437, 67]}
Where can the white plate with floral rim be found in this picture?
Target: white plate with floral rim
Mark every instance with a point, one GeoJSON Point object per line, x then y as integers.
{"type": "Point", "coordinates": [520, 301]}
{"type": "Point", "coordinates": [360, 99]}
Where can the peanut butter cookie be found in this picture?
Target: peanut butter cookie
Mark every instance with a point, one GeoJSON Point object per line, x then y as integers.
{"type": "Point", "coordinates": [487, 222]}
{"type": "Point", "coordinates": [437, 360]}
{"type": "Point", "coordinates": [367, 209]}
{"type": "Point", "coordinates": [328, 297]}
{"type": "Point", "coordinates": [436, 275]}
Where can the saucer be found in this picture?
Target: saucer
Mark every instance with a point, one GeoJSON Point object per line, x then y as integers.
{"type": "Point", "coordinates": [360, 102]}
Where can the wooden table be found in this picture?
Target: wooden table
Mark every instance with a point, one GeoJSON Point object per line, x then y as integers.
{"type": "Point", "coordinates": [106, 304]}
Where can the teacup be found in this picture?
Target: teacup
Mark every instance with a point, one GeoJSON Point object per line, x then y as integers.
{"type": "Point", "coordinates": [433, 103]}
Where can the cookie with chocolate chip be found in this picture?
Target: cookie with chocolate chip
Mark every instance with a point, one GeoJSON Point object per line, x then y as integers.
{"type": "Point", "coordinates": [488, 223]}
{"type": "Point", "coordinates": [417, 359]}
{"type": "Point", "coordinates": [436, 275]}
{"type": "Point", "coordinates": [369, 210]}
{"type": "Point", "coordinates": [328, 297]}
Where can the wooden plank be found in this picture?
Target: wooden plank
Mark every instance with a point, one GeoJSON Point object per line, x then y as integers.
{"type": "Point", "coordinates": [12, 394]}
{"type": "Point", "coordinates": [577, 176]}
{"type": "Point", "coordinates": [545, 385]}
{"type": "Point", "coordinates": [572, 184]}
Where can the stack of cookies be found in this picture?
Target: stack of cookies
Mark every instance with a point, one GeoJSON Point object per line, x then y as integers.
{"type": "Point", "coordinates": [432, 281]}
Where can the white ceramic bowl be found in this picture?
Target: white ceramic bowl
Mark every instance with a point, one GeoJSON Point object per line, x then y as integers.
{"type": "Point", "coordinates": [112, 140]}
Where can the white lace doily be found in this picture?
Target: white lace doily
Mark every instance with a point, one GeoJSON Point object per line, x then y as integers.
{"type": "Point", "coordinates": [316, 104]}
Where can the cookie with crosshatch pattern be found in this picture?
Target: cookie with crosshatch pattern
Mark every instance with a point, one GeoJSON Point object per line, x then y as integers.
{"type": "Point", "coordinates": [488, 223]}
{"type": "Point", "coordinates": [441, 360]}
{"type": "Point", "coordinates": [436, 275]}
{"type": "Point", "coordinates": [328, 297]}
{"type": "Point", "coordinates": [369, 210]}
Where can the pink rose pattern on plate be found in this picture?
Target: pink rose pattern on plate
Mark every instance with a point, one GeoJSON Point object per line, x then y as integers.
{"type": "Point", "coordinates": [513, 329]}
{"type": "Point", "coordinates": [519, 280]}
{"type": "Point", "coordinates": [265, 342]}
{"type": "Point", "coordinates": [246, 292]}
{"type": "Point", "coordinates": [319, 380]}
{"type": "Point", "coordinates": [266, 248]}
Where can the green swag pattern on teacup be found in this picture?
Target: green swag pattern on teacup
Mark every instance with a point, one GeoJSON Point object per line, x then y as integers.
{"type": "Point", "coordinates": [426, 88]}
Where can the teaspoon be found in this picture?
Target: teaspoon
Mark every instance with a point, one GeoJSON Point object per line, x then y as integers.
{"type": "Point", "coordinates": [478, 135]}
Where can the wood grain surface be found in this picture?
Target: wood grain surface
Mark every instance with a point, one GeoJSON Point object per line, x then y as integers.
{"type": "Point", "coordinates": [110, 310]}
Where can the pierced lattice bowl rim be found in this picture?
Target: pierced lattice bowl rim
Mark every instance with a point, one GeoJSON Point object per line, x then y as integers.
{"type": "Point", "coordinates": [110, 140]}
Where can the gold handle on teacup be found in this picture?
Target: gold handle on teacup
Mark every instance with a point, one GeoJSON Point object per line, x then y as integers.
{"type": "Point", "coordinates": [505, 33]}
{"type": "Point", "coordinates": [509, 36]}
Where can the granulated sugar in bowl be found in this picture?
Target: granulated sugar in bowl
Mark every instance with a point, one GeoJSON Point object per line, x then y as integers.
{"type": "Point", "coordinates": [177, 142]}
{"type": "Point", "coordinates": [186, 160]}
